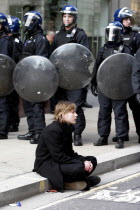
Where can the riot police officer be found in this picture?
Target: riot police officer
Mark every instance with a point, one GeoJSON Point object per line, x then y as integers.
{"type": "Point", "coordinates": [70, 33]}
{"type": "Point", "coordinates": [136, 80]}
{"type": "Point", "coordinates": [6, 48]}
{"type": "Point", "coordinates": [132, 39]}
{"type": "Point", "coordinates": [114, 32]}
{"type": "Point", "coordinates": [13, 98]}
{"type": "Point", "coordinates": [35, 44]}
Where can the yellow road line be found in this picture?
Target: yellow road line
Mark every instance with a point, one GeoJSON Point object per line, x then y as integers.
{"type": "Point", "coordinates": [90, 191]}
{"type": "Point", "coordinates": [112, 183]}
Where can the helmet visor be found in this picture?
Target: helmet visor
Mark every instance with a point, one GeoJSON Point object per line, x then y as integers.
{"type": "Point", "coordinates": [125, 12]}
{"type": "Point", "coordinates": [113, 33]}
{"type": "Point", "coordinates": [9, 20]}
{"type": "Point", "coordinates": [28, 20]}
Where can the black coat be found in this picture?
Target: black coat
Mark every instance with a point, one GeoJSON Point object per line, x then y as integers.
{"type": "Point", "coordinates": [17, 47]}
{"type": "Point", "coordinates": [131, 38]}
{"type": "Point", "coordinates": [55, 148]}
{"type": "Point", "coordinates": [36, 44]}
{"type": "Point", "coordinates": [6, 46]}
{"type": "Point", "coordinates": [63, 37]}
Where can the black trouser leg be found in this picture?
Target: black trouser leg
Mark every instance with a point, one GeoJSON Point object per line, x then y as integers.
{"type": "Point", "coordinates": [28, 109]}
{"type": "Point", "coordinates": [39, 117]}
{"type": "Point", "coordinates": [76, 172]}
{"type": "Point", "coordinates": [76, 97]}
{"type": "Point", "coordinates": [121, 118]}
{"type": "Point", "coordinates": [135, 107]}
{"type": "Point", "coordinates": [80, 124]}
{"type": "Point", "coordinates": [85, 91]}
{"type": "Point", "coordinates": [13, 101]}
{"type": "Point", "coordinates": [104, 117]}
{"type": "Point", "coordinates": [4, 115]}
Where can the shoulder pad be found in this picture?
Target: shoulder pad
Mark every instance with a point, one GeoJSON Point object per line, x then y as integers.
{"type": "Point", "coordinates": [80, 29]}
{"type": "Point", "coordinates": [127, 46]}
{"type": "Point", "coordinates": [17, 40]}
{"type": "Point", "coordinates": [135, 30]}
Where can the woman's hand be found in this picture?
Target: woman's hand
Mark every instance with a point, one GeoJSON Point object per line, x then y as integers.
{"type": "Point", "coordinates": [88, 166]}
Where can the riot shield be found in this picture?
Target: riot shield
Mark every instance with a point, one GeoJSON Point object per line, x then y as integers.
{"type": "Point", "coordinates": [7, 66]}
{"type": "Point", "coordinates": [74, 63]}
{"type": "Point", "coordinates": [35, 79]}
{"type": "Point", "coordinates": [114, 76]}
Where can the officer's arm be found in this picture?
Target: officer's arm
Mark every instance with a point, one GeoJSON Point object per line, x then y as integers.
{"type": "Point", "coordinates": [136, 73]}
{"type": "Point", "coordinates": [82, 39]}
{"type": "Point", "coordinates": [98, 61]}
{"type": "Point", "coordinates": [137, 42]}
{"type": "Point", "coordinates": [17, 50]}
{"type": "Point", "coordinates": [42, 47]}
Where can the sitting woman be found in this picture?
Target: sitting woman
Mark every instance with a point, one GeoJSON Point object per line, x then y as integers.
{"type": "Point", "coordinates": [55, 157]}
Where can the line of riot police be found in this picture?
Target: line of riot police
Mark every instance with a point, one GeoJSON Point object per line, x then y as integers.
{"type": "Point", "coordinates": [10, 45]}
{"type": "Point", "coordinates": [120, 39]}
{"type": "Point", "coordinates": [37, 44]}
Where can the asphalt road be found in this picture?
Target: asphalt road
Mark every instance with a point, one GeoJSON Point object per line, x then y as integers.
{"type": "Point", "coordinates": [119, 189]}
{"type": "Point", "coordinates": [122, 194]}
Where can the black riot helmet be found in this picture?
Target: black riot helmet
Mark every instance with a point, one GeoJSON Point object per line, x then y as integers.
{"type": "Point", "coordinates": [114, 32]}
{"type": "Point", "coordinates": [32, 21]}
{"type": "Point", "coordinates": [124, 12]}
{"type": "Point", "coordinates": [70, 9]}
{"type": "Point", "coordinates": [14, 24]}
{"type": "Point", "coordinates": [3, 22]}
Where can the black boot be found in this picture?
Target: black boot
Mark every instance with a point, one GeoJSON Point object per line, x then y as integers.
{"type": "Point", "coordinates": [86, 105]}
{"type": "Point", "coordinates": [77, 140]}
{"type": "Point", "coordinates": [3, 136]}
{"type": "Point", "coordinates": [120, 144]}
{"type": "Point", "coordinates": [26, 136]}
{"type": "Point", "coordinates": [102, 141]}
{"type": "Point", "coordinates": [93, 180]}
{"type": "Point", "coordinates": [35, 139]}
{"type": "Point", "coordinates": [125, 138]}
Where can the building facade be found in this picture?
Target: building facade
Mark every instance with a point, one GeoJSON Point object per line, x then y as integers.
{"type": "Point", "coordinates": [93, 15]}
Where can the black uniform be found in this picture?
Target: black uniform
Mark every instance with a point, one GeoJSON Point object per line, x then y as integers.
{"type": "Point", "coordinates": [136, 73]}
{"type": "Point", "coordinates": [75, 96]}
{"type": "Point", "coordinates": [106, 104]}
{"type": "Point", "coordinates": [13, 98]}
{"type": "Point", "coordinates": [132, 39]}
{"type": "Point", "coordinates": [136, 88]}
{"type": "Point", "coordinates": [35, 44]}
{"type": "Point", "coordinates": [6, 48]}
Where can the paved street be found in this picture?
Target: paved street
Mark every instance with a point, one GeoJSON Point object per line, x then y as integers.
{"type": "Point", "coordinates": [119, 189]}
{"type": "Point", "coordinates": [17, 157]}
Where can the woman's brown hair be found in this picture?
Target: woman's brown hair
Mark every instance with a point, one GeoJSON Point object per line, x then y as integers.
{"type": "Point", "coordinates": [61, 108]}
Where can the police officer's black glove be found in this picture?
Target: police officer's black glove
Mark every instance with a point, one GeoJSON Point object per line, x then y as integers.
{"type": "Point", "coordinates": [138, 97]}
{"type": "Point", "coordinates": [94, 90]}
